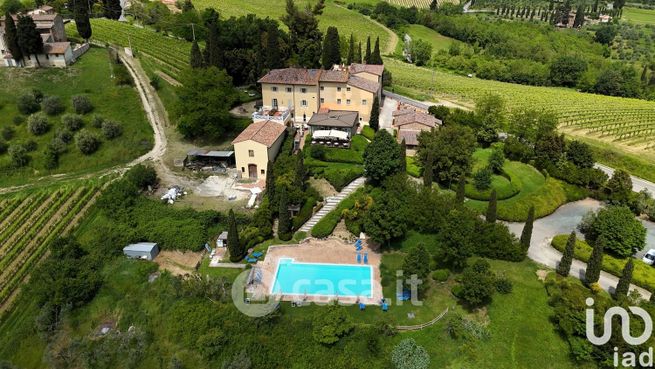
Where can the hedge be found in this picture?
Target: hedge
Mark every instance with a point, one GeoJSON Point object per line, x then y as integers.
{"type": "Point", "coordinates": [368, 132]}
{"type": "Point", "coordinates": [643, 274]}
{"type": "Point", "coordinates": [305, 213]}
{"type": "Point", "coordinates": [326, 225]}
{"type": "Point", "coordinates": [412, 167]}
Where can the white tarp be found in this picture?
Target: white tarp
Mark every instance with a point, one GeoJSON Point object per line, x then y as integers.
{"type": "Point", "coordinates": [341, 135]}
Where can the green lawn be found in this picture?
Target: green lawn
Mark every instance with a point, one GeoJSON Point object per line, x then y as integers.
{"type": "Point", "coordinates": [639, 16]}
{"type": "Point", "coordinates": [89, 76]}
{"type": "Point", "coordinates": [418, 32]}
{"type": "Point", "coordinates": [505, 188]}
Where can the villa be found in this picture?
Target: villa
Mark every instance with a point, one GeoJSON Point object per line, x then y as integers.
{"type": "Point", "coordinates": [57, 51]}
{"type": "Point", "coordinates": [296, 94]}
{"type": "Point", "coordinates": [409, 123]}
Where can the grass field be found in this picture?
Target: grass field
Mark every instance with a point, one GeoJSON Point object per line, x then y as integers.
{"type": "Point", "coordinates": [419, 32]}
{"type": "Point", "coordinates": [504, 187]}
{"type": "Point", "coordinates": [639, 16]}
{"type": "Point", "coordinates": [89, 76]}
{"type": "Point", "coordinates": [419, 3]}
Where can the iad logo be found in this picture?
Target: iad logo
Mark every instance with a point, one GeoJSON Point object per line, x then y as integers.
{"type": "Point", "coordinates": [628, 359]}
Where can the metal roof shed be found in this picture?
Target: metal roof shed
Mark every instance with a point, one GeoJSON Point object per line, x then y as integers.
{"type": "Point", "coordinates": [141, 250]}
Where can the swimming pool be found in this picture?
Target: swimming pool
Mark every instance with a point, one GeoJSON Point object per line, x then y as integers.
{"type": "Point", "coordinates": [314, 279]}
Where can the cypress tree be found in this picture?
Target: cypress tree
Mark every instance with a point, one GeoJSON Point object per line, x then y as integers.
{"type": "Point", "coordinates": [195, 59]}
{"type": "Point", "coordinates": [403, 156]}
{"type": "Point", "coordinates": [213, 56]}
{"type": "Point", "coordinates": [284, 220]}
{"type": "Point", "coordinates": [112, 9]}
{"type": "Point", "coordinates": [351, 50]}
{"type": "Point", "coordinates": [358, 56]}
{"type": "Point", "coordinates": [433, 5]}
{"type": "Point", "coordinates": [300, 170]}
{"type": "Point", "coordinates": [11, 38]}
{"type": "Point", "coordinates": [273, 57]}
{"type": "Point", "coordinates": [428, 170]}
{"type": "Point", "coordinates": [461, 191]}
{"type": "Point", "coordinates": [233, 244]}
{"type": "Point", "coordinates": [270, 182]}
{"type": "Point", "coordinates": [367, 56]}
{"type": "Point", "coordinates": [526, 235]}
{"type": "Point", "coordinates": [578, 21]}
{"type": "Point", "coordinates": [594, 265]}
{"type": "Point", "coordinates": [564, 267]}
{"type": "Point", "coordinates": [623, 287]}
{"type": "Point", "coordinates": [492, 208]}
{"type": "Point", "coordinates": [81, 16]}
{"type": "Point", "coordinates": [29, 39]}
{"type": "Point", "coordinates": [331, 48]}
{"type": "Point", "coordinates": [376, 58]}
{"type": "Point", "coordinates": [374, 120]}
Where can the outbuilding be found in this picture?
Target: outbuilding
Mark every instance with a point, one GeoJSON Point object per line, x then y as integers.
{"type": "Point", "coordinates": [141, 250]}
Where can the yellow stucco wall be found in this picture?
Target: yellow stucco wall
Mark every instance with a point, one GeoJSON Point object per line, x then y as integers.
{"type": "Point", "coordinates": [293, 98]}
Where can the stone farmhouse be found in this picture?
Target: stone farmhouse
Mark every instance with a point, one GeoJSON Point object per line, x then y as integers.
{"type": "Point", "coordinates": [409, 122]}
{"type": "Point", "coordinates": [57, 51]}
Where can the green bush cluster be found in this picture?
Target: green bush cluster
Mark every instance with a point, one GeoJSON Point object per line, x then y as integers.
{"type": "Point", "coordinates": [326, 225]}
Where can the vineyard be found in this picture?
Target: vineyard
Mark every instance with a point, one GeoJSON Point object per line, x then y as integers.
{"type": "Point", "coordinates": [28, 225]}
{"type": "Point", "coordinates": [628, 122]}
{"type": "Point", "coordinates": [419, 3]}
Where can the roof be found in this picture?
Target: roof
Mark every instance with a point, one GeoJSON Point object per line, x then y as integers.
{"type": "Point", "coordinates": [364, 84]}
{"type": "Point", "coordinates": [140, 247]}
{"type": "Point", "coordinates": [223, 235]}
{"type": "Point", "coordinates": [213, 154]}
{"type": "Point", "coordinates": [335, 118]}
{"type": "Point", "coordinates": [367, 68]}
{"type": "Point", "coordinates": [334, 76]}
{"type": "Point", "coordinates": [292, 76]}
{"type": "Point", "coordinates": [263, 132]}
{"type": "Point", "coordinates": [416, 117]}
{"type": "Point", "coordinates": [410, 136]}
{"type": "Point", "coordinates": [56, 47]}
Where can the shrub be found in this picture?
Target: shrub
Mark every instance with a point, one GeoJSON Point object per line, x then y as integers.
{"type": "Point", "coordinates": [27, 104]}
{"type": "Point", "coordinates": [504, 285]}
{"type": "Point", "coordinates": [8, 133]}
{"type": "Point", "coordinates": [482, 179]}
{"type": "Point", "coordinates": [305, 213]}
{"type": "Point", "coordinates": [31, 146]}
{"type": "Point", "coordinates": [622, 232]}
{"type": "Point", "coordinates": [18, 120]}
{"type": "Point", "coordinates": [111, 129]}
{"type": "Point", "coordinates": [478, 284]}
{"type": "Point", "coordinates": [97, 120]}
{"type": "Point", "coordinates": [441, 275]}
{"type": "Point", "coordinates": [3, 147]}
{"type": "Point", "coordinates": [52, 105]}
{"type": "Point", "coordinates": [38, 124]}
{"type": "Point", "coordinates": [317, 152]}
{"type": "Point", "coordinates": [57, 146]}
{"type": "Point", "coordinates": [65, 135]}
{"type": "Point", "coordinates": [155, 82]}
{"type": "Point", "coordinates": [87, 142]}
{"type": "Point", "coordinates": [82, 104]}
{"type": "Point", "coordinates": [408, 355]}
{"type": "Point", "coordinates": [340, 178]}
{"type": "Point", "coordinates": [72, 122]}
{"type": "Point", "coordinates": [18, 155]}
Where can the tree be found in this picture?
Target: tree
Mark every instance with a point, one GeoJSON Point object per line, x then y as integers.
{"type": "Point", "coordinates": [304, 35]}
{"type": "Point", "coordinates": [386, 219]}
{"type": "Point", "coordinates": [492, 208]}
{"type": "Point", "coordinates": [482, 179]}
{"type": "Point", "coordinates": [351, 50]}
{"type": "Point", "coordinates": [622, 233]}
{"type": "Point", "coordinates": [358, 56]}
{"type": "Point", "coordinates": [460, 195]}
{"type": "Point", "coordinates": [270, 181]}
{"type": "Point", "coordinates": [331, 48]}
{"type": "Point", "coordinates": [204, 102]}
{"type": "Point", "coordinates": [490, 110]}
{"type": "Point", "coordinates": [417, 262]}
{"type": "Point", "coordinates": [331, 324]}
{"type": "Point", "coordinates": [38, 124]}
{"type": "Point", "coordinates": [452, 150]}
{"type": "Point", "coordinates": [478, 284]}
{"type": "Point", "coordinates": [619, 187]}
{"type": "Point", "coordinates": [233, 242]}
{"type": "Point", "coordinates": [580, 154]}
{"type": "Point", "coordinates": [566, 70]}
{"type": "Point", "coordinates": [408, 355]}
{"type": "Point", "coordinates": [623, 287]}
{"type": "Point", "coordinates": [618, 79]}
{"type": "Point", "coordinates": [87, 142]}
{"type": "Point", "coordinates": [526, 234]}
{"type": "Point", "coordinates": [18, 155]}
{"type": "Point", "coordinates": [11, 6]}
{"type": "Point", "coordinates": [367, 55]}
{"type": "Point", "coordinates": [605, 34]}
{"type": "Point", "coordinates": [29, 39]}
{"type": "Point", "coordinates": [112, 9]}
{"type": "Point", "coordinates": [595, 263]}
{"type": "Point", "coordinates": [11, 38]}
{"type": "Point", "coordinates": [497, 160]}
{"type": "Point", "coordinates": [456, 239]}
{"type": "Point", "coordinates": [284, 219]}
{"type": "Point", "coordinates": [82, 104]}
{"type": "Point", "coordinates": [374, 120]}
{"type": "Point", "coordinates": [564, 266]}
{"type": "Point", "coordinates": [195, 59]}
{"type": "Point", "coordinates": [376, 58]}
{"type": "Point", "coordinates": [433, 5]}
{"type": "Point", "coordinates": [81, 15]}
{"type": "Point", "coordinates": [427, 171]}
{"type": "Point", "coordinates": [213, 53]}
{"type": "Point", "coordinates": [578, 21]}
{"type": "Point", "coordinates": [382, 157]}
{"type": "Point", "coordinates": [420, 51]}
{"type": "Point", "coordinates": [111, 129]}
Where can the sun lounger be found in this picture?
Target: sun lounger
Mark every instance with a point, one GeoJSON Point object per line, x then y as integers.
{"type": "Point", "coordinates": [366, 258]}
{"type": "Point", "coordinates": [257, 254]}
{"type": "Point", "coordinates": [359, 258]}
{"type": "Point", "coordinates": [251, 260]}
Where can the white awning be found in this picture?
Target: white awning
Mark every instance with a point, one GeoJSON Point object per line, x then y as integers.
{"type": "Point", "coordinates": [341, 135]}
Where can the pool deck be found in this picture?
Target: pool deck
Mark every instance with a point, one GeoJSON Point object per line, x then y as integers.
{"type": "Point", "coordinates": [331, 251]}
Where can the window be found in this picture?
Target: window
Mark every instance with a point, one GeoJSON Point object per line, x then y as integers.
{"type": "Point", "coordinates": [322, 100]}
{"type": "Point", "coordinates": [303, 103]}
{"type": "Point", "coordinates": [347, 101]}
{"type": "Point", "coordinates": [288, 89]}
{"type": "Point", "coordinates": [364, 102]}
{"type": "Point", "coordinates": [322, 88]}
{"type": "Point", "coordinates": [348, 89]}
{"type": "Point", "coordinates": [303, 90]}
{"type": "Point", "coordinates": [339, 101]}
{"type": "Point", "coordinates": [274, 103]}
{"type": "Point", "coordinates": [243, 169]}
{"type": "Point", "coordinates": [251, 153]}
{"type": "Point", "coordinates": [263, 171]}
{"type": "Point", "coordinates": [338, 89]}
{"type": "Point", "coordinates": [274, 88]}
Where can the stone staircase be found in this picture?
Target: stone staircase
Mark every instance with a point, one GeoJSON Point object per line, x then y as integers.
{"type": "Point", "coordinates": [331, 203]}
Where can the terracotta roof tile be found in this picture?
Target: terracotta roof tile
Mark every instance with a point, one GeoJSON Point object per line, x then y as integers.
{"type": "Point", "coordinates": [292, 76]}
{"type": "Point", "coordinates": [263, 132]}
{"type": "Point", "coordinates": [364, 84]}
{"type": "Point", "coordinates": [56, 47]}
{"type": "Point", "coordinates": [416, 117]}
{"type": "Point", "coordinates": [368, 68]}
{"type": "Point", "coordinates": [410, 136]}
{"type": "Point", "coordinates": [334, 76]}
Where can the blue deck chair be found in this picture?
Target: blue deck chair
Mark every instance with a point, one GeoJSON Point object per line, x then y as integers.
{"type": "Point", "coordinates": [251, 260]}
{"type": "Point", "coordinates": [359, 258]}
{"type": "Point", "coordinates": [362, 306]}
{"type": "Point", "coordinates": [366, 258]}
{"type": "Point", "coordinates": [257, 254]}
{"type": "Point", "coordinates": [385, 307]}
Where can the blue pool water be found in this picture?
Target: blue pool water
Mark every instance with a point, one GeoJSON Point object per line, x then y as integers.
{"type": "Point", "coordinates": [295, 278]}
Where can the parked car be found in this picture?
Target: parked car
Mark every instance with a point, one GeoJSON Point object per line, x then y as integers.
{"type": "Point", "coordinates": [649, 258]}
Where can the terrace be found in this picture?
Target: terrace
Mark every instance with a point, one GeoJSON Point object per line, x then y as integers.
{"type": "Point", "coordinates": [277, 114]}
